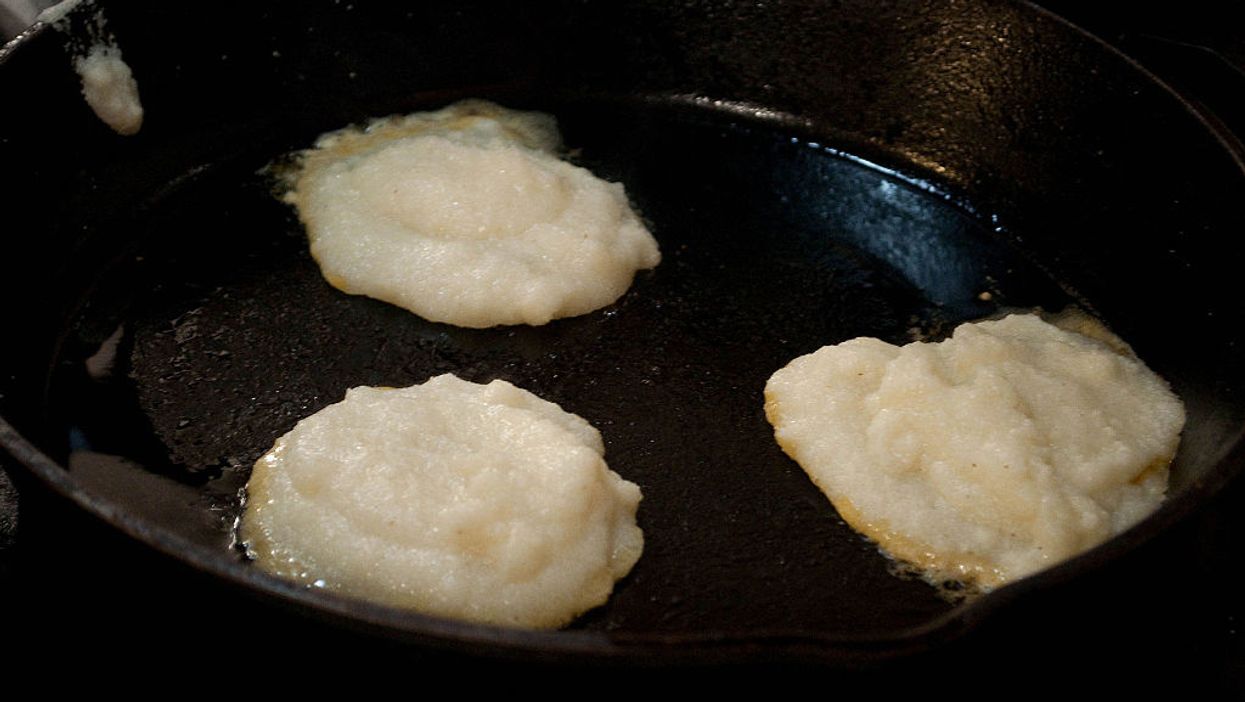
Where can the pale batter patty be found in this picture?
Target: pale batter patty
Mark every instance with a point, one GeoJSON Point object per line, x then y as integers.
{"type": "Point", "coordinates": [1003, 450]}
{"type": "Point", "coordinates": [477, 502]}
{"type": "Point", "coordinates": [467, 216]}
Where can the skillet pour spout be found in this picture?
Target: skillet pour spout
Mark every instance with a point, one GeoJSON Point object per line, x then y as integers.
{"type": "Point", "coordinates": [813, 172]}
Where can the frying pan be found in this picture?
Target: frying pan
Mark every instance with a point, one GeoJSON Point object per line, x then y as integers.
{"type": "Point", "coordinates": [813, 171]}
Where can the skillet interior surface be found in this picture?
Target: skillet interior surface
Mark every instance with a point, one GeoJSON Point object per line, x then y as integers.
{"type": "Point", "coordinates": [193, 328]}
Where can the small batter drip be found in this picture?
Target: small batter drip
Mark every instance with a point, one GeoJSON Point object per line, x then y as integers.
{"type": "Point", "coordinates": [107, 82]}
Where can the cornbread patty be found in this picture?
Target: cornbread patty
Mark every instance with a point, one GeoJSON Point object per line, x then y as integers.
{"type": "Point", "coordinates": [466, 216]}
{"type": "Point", "coordinates": [1003, 450]}
{"type": "Point", "coordinates": [477, 502]}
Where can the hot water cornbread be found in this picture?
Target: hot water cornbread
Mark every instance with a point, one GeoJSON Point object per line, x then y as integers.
{"type": "Point", "coordinates": [1003, 450]}
{"type": "Point", "coordinates": [477, 502]}
{"type": "Point", "coordinates": [467, 216]}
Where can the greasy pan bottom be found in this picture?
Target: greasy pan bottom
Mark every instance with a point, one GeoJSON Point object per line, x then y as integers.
{"type": "Point", "coordinates": [222, 334]}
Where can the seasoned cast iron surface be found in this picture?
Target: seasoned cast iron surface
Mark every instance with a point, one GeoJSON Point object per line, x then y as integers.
{"type": "Point", "coordinates": [224, 335]}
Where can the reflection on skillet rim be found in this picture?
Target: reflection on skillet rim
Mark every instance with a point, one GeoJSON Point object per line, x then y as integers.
{"type": "Point", "coordinates": [428, 629]}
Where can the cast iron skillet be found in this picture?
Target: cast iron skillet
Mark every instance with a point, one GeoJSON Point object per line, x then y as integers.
{"type": "Point", "coordinates": [813, 171]}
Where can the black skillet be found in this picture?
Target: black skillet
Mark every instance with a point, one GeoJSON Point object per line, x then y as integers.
{"type": "Point", "coordinates": [814, 172]}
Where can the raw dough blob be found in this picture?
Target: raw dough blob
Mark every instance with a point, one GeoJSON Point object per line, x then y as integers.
{"type": "Point", "coordinates": [110, 89]}
{"type": "Point", "coordinates": [467, 216]}
{"type": "Point", "coordinates": [477, 502]}
{"type": "Point", "coordinates": [107, 82]}
{"type": "Point", "coordinates": [1003, 450]}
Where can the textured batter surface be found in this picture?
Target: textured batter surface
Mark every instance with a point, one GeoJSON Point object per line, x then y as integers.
{"type": "Point", "coordinates": [110, 89]}
{"type": "Point", "coordinates": [466, 216]}
{"type": "Point", "coordinates": [1003, 450]}
{"type": "Point", "coordinates": [478, 502]}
